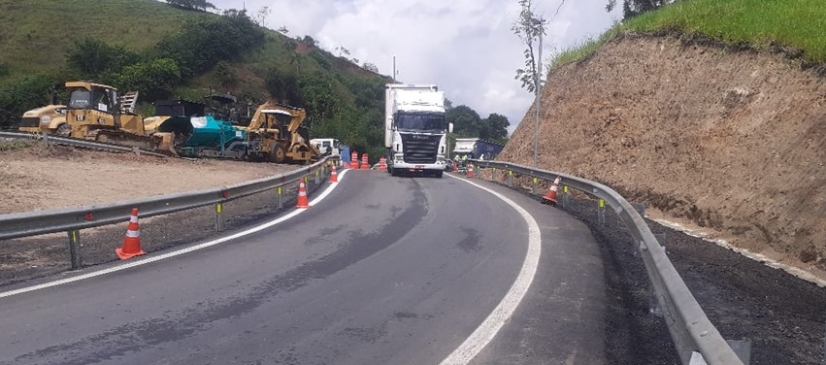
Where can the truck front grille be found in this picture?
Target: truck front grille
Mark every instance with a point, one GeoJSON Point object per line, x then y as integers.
{"type": "Point", "coordinates": [30, 122]}
{"type": "Point", "coordinates": [420, 148]}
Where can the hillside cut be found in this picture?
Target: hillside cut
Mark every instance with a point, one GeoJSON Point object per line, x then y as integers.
{"type": "Point", "coordinates": [733, 141]}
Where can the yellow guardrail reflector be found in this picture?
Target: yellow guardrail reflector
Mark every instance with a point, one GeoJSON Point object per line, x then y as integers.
{"type": "Point", "coordinates": [279, 190]}
{"type": "Point", "coordinates": [565, 189]}
{"type": "Point", "coordinates": [219, 208]}
{"type": "Point", "coordinates": [535, 180]}
{"type": "Point", "coordinates": [601, 203]}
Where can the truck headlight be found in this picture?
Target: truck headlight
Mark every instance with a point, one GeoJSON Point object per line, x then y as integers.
{"type": "Point", "coordinates": [45, 119]}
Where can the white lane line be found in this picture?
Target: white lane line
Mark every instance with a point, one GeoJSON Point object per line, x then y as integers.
{"type": "Point", "coordinates": [496, 319]}
{"type": "Point", "coordinates": [182, 251]}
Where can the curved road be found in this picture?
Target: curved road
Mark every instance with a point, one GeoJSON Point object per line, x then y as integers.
{"type": "Point", "coordinates": [384, 270]}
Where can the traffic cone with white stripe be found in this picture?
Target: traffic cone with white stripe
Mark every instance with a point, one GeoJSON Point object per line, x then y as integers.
{"type": "Point", "coordinates": [550, 196]}
{"type": "Point", "coordinates": [132, 242]}
{"type": "Point", "coordinates": [470, 171]}
{"type": "Point", "coordinates": [333, 175]}
{"type": "Point", "coordinates": [303, 202]}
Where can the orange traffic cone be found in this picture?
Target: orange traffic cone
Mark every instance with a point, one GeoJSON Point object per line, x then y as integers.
{"type": "Point", "coordinates": [303, 202]}
{"type": "Point", "coordinates": [333, 175]}
{"type": "Point", "coordinates": [550, 196]}
{"type": "Point", "coordinates": [455, 169]}
{"type": "Point", "coordinates": [354, 160]}
{"type": "Point", "coordinates": [383, 164]}
{"type": "Point", "coordinates": [364, 164]}
{"type": "Point", "coordinates": [132, 241]}
{"type": "Point", "coordinates": [469, 171]}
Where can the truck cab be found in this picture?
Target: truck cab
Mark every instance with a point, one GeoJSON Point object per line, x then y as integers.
{"type": "Point", "coordinates": [415, 129]}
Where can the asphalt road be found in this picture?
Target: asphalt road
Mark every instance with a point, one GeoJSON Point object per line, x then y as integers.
{"type": "Point", "coordinates": [383, 271]}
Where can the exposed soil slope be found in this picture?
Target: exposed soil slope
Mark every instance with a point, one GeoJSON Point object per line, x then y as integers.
{"type": "Point", "coordinates": [733, 141]}
{"type": "Point", "coordinates": [42, 178]}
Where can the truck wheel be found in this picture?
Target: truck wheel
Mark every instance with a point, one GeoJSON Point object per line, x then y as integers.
{"type": "Point", "coordinates": [439, 174]}
{"type": "Point", "coordinates": [64, 130]}
{"type": "Point", "coordinates": [279, 153]}
{"type": "Point", "coordinates": [393, 172]}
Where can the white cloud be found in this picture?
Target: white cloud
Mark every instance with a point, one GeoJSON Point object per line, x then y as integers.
{"type": "Point", "coordinates": [465, 46]}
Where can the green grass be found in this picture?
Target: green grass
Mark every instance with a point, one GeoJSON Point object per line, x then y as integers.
{"type": "Point", "coordinates": [35, 34]}
{"type": "Point", "coordinates": [793, 24]}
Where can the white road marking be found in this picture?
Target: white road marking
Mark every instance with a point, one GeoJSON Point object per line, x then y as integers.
{"type": "Point", "coordinates": [496, 319]}
{"type": "Point", "coordinates": [167, 255]}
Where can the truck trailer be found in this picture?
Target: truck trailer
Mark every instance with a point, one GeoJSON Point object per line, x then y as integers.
{"type": "Point", "coordinates": [415, 129]}
{"type": "Point", "coordinates": [476, 148]}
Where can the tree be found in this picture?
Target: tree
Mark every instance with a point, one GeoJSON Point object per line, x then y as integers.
{"type": "Point", "coordinates": [201, 5]}
{"type": "Point", "coordinates": [529, 28]}
{"type": "Point", "coordinates": [632, 8]}
{"type": "Point", "coordinates": [342, 51]}
{"type": "Point", "coordinates": [370, 67]}
{"type": "Point", "coordinates": [495, 128]}
{"type": "Point", "coordinates": [95, 59]}
{"type": "Point", "coordinates": [466, 121]}
{"type": "Point", "coordinates": [155, 79]}
{"type": "Point", "coordinates": [283, 29]}
{"type": "Point", "coordinates": [262, 15]}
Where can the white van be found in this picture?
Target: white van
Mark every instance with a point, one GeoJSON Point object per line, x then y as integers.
{"type": "Point", "coordinates": [327, 146]}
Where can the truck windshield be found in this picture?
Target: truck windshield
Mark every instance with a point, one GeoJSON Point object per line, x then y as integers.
{"type": "Point", "coordinates": [420, 121]}
{"type": "Point", "coordinates": [80, 99]}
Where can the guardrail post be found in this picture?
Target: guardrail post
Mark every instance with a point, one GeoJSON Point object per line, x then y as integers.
{"type": "Point", "coordinates": [74, 249]}
{"type": "Point", "coordinates": [533, 185]}
{"type": "Point", "coordinates": [316, 177]}
{"type": "Point", "coordinates": [219, 222]}
{"type": "Point", "coordinates": [136, 150]}
{"type": "Point", "coordinates": [601, 212]}
{"type": "Point", "coordinates": [280, 200]}
{"type": "Point", "coordinates": [510, 179]}
{"type": "Point", "coordinates": [493, 174]}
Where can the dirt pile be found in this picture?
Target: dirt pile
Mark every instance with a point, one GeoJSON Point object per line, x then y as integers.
{"type": "Point", "coordinates": [36, 177]}
{"type": "Point", "coordinates": [735, 142]}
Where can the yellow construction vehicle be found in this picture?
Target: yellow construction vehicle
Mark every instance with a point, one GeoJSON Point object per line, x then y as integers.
{"type": "Point", "coordinates": [275, 134]}
{"type": "Point", "coordinates": [96, 111]}
{"type": "Point", "coordinates": [50, 119]}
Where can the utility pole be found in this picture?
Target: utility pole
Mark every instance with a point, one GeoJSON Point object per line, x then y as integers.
{"type": "Point", "coordinates": [394, 69]}
{"type": "Point", "coordinates": [538, 101]}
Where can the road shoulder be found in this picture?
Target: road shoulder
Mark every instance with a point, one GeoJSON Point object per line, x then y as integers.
{"type": "Point", "coordinates": [561, 318]}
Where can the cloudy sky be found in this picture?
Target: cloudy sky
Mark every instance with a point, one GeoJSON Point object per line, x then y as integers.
{"type": "Point", "coordinates": [465, 46]}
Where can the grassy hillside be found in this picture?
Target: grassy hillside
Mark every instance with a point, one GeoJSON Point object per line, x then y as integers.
{"type": "Point", "coordinates": [162, 48]}
{"type": "Point", "coordinates": [35, 34]}
{"type": "Point", "coordinates": [797, 26]}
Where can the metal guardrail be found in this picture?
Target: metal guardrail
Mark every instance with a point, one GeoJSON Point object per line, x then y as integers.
{"type": "Point", "coordinates": [75, 142]}
{"type": "Point", "coordinates": [17, 225]}
{"type": "Point", "coordinates": [692, 332]}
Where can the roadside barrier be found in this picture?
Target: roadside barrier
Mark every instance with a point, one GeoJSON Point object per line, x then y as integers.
{"type": "Point", "coordinates": [695, 338]}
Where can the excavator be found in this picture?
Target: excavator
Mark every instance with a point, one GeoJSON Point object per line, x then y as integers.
{"type": "Point", "coordinates": [276, 134]}
{"type": "Point", "coordinates": [96, 111]}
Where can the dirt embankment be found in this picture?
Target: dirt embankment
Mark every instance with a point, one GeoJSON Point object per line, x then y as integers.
{"type": "Point", "coordinates": [734, 142]}
{"type": "Point", "coordinates": [36, 177]}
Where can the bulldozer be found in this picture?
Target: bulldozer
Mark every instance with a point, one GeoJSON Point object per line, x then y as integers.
{"type": "Point", "coordinates": [276, 134]}
{"type": "Point", "coordinates": [96, 111]}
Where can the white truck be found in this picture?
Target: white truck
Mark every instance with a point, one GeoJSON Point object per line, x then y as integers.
{"type": "Point", "coordinates": [415, 129]}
